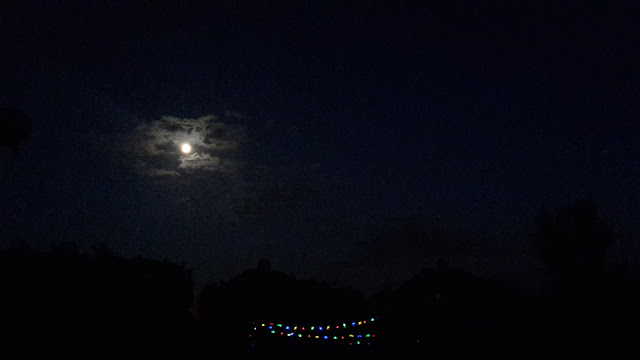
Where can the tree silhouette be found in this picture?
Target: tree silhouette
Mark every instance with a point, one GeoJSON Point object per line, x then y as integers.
{"type": "Point", "coordinates": [573, 242]}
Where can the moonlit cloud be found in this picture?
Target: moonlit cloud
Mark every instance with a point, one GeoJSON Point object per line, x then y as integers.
{"type": "Point", "coordinates": [214, 146]}
{"type": "Point", "coordinates": [215, 176]}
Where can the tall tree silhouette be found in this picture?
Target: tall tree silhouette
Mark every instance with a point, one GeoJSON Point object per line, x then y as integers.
{"type": "Point", "coordinates": [15, 127]}
{"type": "Point", "coordinates": [573, 242]}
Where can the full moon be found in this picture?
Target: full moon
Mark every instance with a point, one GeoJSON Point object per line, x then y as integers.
{"type": "Point", "coordinates": [186, 148]}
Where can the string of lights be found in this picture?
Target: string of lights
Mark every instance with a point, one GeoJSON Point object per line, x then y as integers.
{"type": "Point", "coordinates": [271, 326]}
{"type": "Point", "coordinates": [334, 332]}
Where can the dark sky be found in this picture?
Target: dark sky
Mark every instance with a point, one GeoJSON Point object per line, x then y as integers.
{"type": "Point", "coordinates": [321, 133]}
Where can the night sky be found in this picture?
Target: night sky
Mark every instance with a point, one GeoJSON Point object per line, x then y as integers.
{"type": "Point", "coordinates": [321, 134]}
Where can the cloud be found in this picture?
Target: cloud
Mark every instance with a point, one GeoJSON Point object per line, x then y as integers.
{"type": "Point", "coordinates": [155, 146]}
{"type": "Point", "coordinates": [216, 177]}
{"type": "Point", "coordinates": [163, 173]}
{"type": "Point", "coordinates": [263, 203]}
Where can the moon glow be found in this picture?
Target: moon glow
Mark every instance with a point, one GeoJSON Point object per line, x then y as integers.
{"type": "Point", "coordinates": [186, 148]}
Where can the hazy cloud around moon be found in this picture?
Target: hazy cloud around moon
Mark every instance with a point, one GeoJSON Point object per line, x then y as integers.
{"type": "Point", "coordinates": [215, 176]}
{"type": "Point", "coordinates": [214, 146]}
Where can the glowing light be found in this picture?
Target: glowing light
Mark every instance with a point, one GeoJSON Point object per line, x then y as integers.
{"type": "Point", "coordinates": [309, 336]}
{"type": "Point", "coordinates": [273, 331]}
{"type": "Point", "coordinates": [303, 328]}
{"type": "Point", "coordinates": [335, 338]}
{"type": "Point", "coordinates": [353, 323]}
{"type": "Point", "coordinates": [350, 335]}
{"type": "Point", "coordinates": [344, 325]}
{"type": "Point", "coordinates": [295, 328]}
{"type": "Point", "coordinates": [342, 337]}
{"type": "Point", "coordinates": [186, 148]}
{"type": "Point", "coordinates": [319, 328]}
{"type": "Point", "coordinates": [262, 324]}
{"type": "Point", "coordinates": [279, 325]}
{"type": "Point", "coordinates": [368, 335]}
{"type": "Point", "coordinates": [372, 319]}
{"type": "Point", "coordinates": [326, 337]}
{"type": "Point", "coordinates": [350, 343]}
{"type": "Point", "coordinates": [317, 337]}
{"type": "Point", "coordinates": [337, 327]}
{"type": "Point", "coordinates": [359, 336]}
{"type": "Point", "coordinates": [270, 323]}
{"type": "Point", "coordinates": [270, 327]}
{"type": "Point", "coordinates": [374, 335]}
{"type": "Point", "coordinates": [282, 333]}
{"type": "Point", "coordinates": [287, 327]}
{"type": "Point", "coordinates": [359, 322]}
{"type": "Point", "coordinates": [358, 342]}
{"type": "Point", "coordinates": [364, 321]}
{"type": "Point", "coordinates": [299, 335]}
{"type": "Point", "coordinates": [312, 328]}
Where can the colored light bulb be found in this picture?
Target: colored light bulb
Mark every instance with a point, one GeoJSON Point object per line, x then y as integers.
{"type": "Point", "coordinates": [344, 325]}
{"type": "Point", "coordinates": [358, 342]}
{"type": "Point", "coordinates": [295, 328]}
{"type": "Point", "coordinates": [299, 335]}
{"type": "Point", "coordinates": [312, 328]}
{"type": "Point", "coordinates": [303, 328]}
{"type": "Point", "coordinates": [262, 324]}
{"type": "Point", "coordinates": [368, 335]}
{"type": "Point", "coordinates": [287, 327]}
{"type": "Point", "coordinates": [372, 319]}
{"type": "Point", "coordinates": [273, 331]}
{"type": "Point", "coordinates": [359, 322]}
{"type": "Point", "coordinates": [270, 327]}
{"type": "Point", "coordinates": [320, 328]}
{"type": "Point", "coordinates": [326, 337]}
{"type": "Point", "coordinates": [279, 325]}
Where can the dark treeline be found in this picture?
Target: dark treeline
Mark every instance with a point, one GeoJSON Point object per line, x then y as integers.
{"type": "Point", "coordinates": [98, 305]}
{"type": "Point", "coordinates": [70, 305]}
